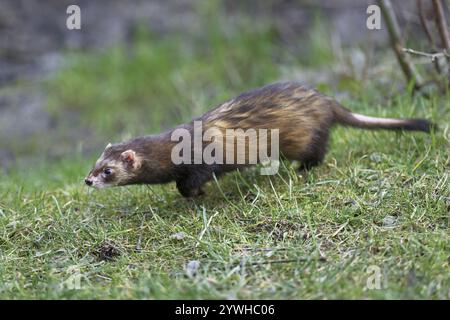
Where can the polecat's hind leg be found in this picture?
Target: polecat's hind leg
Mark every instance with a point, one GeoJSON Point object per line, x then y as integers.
{"type": "Point", "coordinates": [308, 164]}
{"type": "Point", "coordinates": [315, 153]}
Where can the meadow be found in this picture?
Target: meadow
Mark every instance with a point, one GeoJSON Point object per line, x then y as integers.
{"type": "Point", "coordinates": [378, 205]}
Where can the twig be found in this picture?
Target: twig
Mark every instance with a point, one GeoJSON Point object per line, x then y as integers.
{"type": "Point", "coordinates": [277, 261]}
{"type": "Point", "coordinates": [408, 68]}
{"type": "Point", "coordinates": [301, 259]}
{"type": "Point", "coordinates": [262, 249]}
{"type": "Point", "coordinates": [432, 56]}
{"type": "Point", "coordinates": [424, 23]}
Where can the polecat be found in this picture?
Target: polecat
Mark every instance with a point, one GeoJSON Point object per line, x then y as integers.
{"type": "Point", "coordinates": [302, 116]}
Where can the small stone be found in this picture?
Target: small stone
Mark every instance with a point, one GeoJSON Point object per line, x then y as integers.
{"type": "Point", "coordinates": [376, 157]}
{"type": "Point", "coordinates": [178, 236]}
{"type": "Point", "coordinates": [389, 221]}
{"type": "Point", "coordinates": [192, 268]}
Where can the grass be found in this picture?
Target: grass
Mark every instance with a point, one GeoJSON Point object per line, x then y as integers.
{"type": "Point", "coordinates": [380, 199]}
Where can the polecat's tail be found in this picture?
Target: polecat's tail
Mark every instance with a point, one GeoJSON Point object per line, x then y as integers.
{"type": "Point", "coordinates": [346, 117]}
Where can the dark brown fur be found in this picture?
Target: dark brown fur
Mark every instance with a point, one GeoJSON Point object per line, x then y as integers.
{"type": "Point", "coordinates": [303, 116]}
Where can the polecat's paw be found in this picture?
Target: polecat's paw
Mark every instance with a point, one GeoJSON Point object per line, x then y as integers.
{"type": "Point", "coordinates": [192, 194]}
{"type": "Point", "coordinates": [197, 194]}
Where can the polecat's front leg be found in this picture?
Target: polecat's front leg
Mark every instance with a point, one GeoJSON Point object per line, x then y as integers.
{"type": "Point", "coordinates": [187, 190]}
{"type": "Point", "coordinates": [190, 185]}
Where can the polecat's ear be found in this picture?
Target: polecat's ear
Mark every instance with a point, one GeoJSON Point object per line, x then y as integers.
{"type": "Point", "coordinates": [108, 145]}
{"type": "Point", "coordinates": [130, 158]}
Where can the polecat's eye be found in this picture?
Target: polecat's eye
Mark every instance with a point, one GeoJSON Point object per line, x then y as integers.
{"type": "Point", "coordinates": [107, 171]}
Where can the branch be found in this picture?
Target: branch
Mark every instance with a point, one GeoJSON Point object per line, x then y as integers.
{"type": "Point", "coordinates": [424, 23]}
{"type": "Point", "coordinates": [428, 33]}
{"type": "Point", "coordinates": [408, 68]}
{"type": "Point", "coordinates": [442, 26]}
{"type": "Point", "coordinates": [432, 56]}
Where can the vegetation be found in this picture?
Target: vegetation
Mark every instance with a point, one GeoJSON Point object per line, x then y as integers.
{"type": "Point", "coordinates": [380, 199]}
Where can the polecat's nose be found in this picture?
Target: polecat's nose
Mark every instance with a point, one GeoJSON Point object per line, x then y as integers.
{"type": "Point", "coordinates": [88, 182]}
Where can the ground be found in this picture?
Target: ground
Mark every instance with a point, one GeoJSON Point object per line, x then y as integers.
{"type": "Point", "coordinates": [370, 222]}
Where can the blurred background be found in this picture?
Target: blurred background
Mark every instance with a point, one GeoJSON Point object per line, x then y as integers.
{"type": "Point", "coordinates": [139, 67]}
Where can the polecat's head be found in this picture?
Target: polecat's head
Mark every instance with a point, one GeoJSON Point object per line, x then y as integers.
{"type": "Point", "coordinates": [117, 166]}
